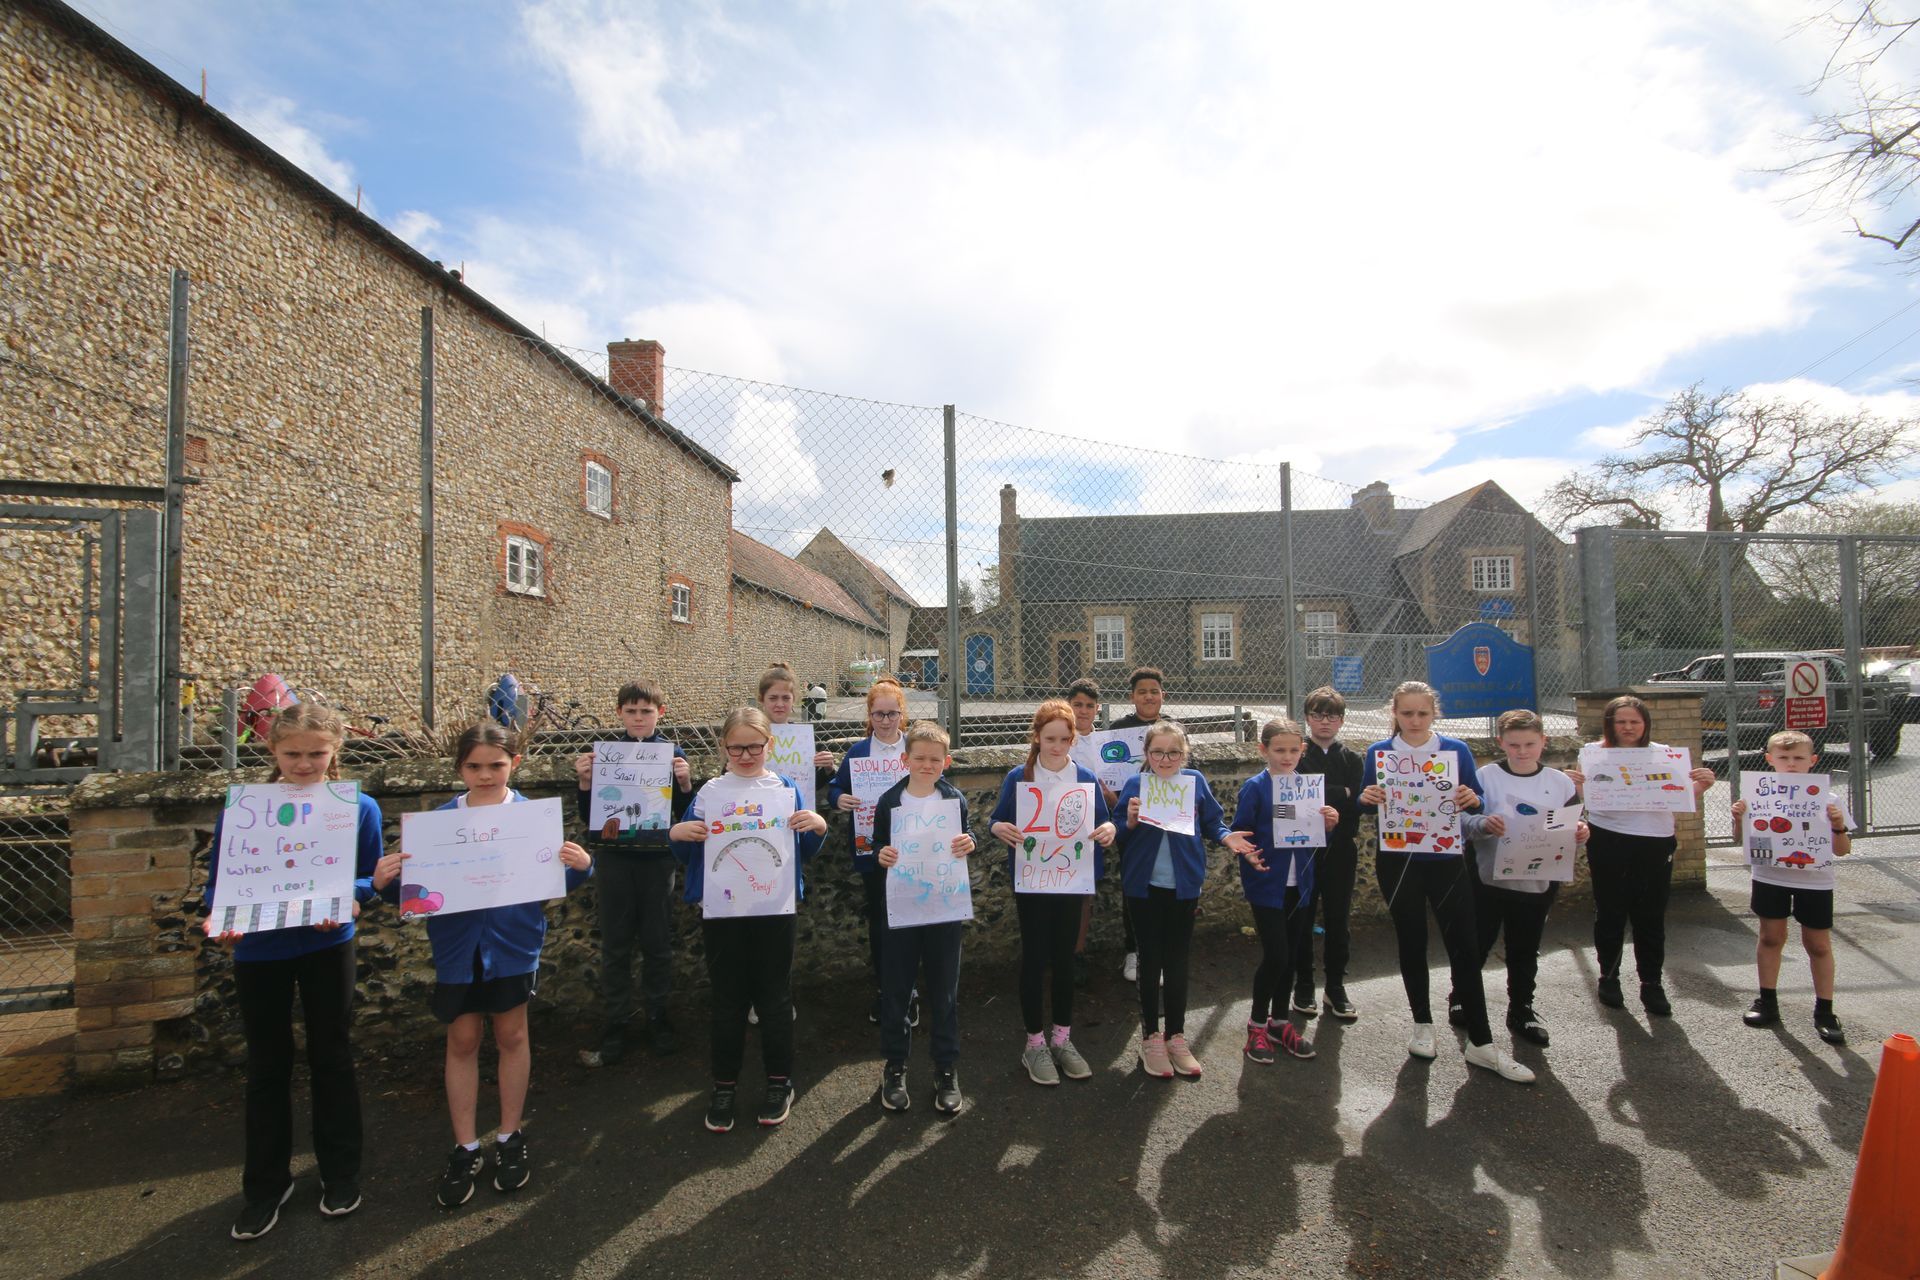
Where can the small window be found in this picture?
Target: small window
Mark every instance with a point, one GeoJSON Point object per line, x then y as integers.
{"type": "Point", "coordinates": [526, 568]}
{"type": "Point", "coordinates": [1110, 638]}
{"type": "Point", "coordinates": [682, 602]}
{"type": "Point", "coordinates": [1322, 634]}
{"type": "Point", "coordinates": [1216, 637]}
{"type": "Point", "coordinates": [1493, 573]}
{"type": "Point", "coordinates": [599, 489]}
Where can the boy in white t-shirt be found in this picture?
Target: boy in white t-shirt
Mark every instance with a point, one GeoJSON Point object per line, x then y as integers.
{"type": "Point", "coordinates": [1778, 895]}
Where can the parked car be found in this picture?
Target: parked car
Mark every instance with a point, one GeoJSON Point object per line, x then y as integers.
{"type": "Point", "coordinates": [1902, 673]}
{"type": "Point", "coordinates": [1760, 709]}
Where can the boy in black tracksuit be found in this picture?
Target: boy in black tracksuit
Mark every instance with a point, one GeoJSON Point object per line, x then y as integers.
{"type": "Point", "coordinates": [1336, 864]}
{"type": "Point", "coordinates": [634, 879]}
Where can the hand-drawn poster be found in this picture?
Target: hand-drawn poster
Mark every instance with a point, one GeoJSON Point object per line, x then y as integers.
{"type": "Point", "coordinates": [1056, 839]}
{"type": "Point", "coordinates": [1168, 803]}
{"type": "Point", "coordinates": [1419, 815]}
{"type": "Point", "coordinates": [1119, 752]}
{"type": "Point", "coordinates": [632, 788]}
{"type": "Point", "coordinates": [1539, 843]}
{"type": "Point", "coordinates": [749, 861]}
{"type": "Point", "coordinates": [790, 755]}
{"type": "Point", "coordinates": [1638, 779]}
{"type": "Point", "coordinates": [469, 858]}
{"type": "Point", "coordinates": [1297, 801]}
{"type": "Point", "coordinates": [871, 775]}
{"type": "Point", "coordinates": [286, 857]}
{"type": "Point", "coordinates": [1787, 833]}
{"type": "Point", "coordinates": [928, 885]}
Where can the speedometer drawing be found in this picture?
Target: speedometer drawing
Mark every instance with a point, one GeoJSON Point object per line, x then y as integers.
{"type": "Point", "coordinates": [747, 849]}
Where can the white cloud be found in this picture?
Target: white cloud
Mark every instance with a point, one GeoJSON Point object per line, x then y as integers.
{"type": "Point", "coordinates": [272, 119]}
{"type": "Point", "coordinates": [418, 228]}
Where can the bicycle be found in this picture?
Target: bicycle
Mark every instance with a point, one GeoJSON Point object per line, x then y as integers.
{"type": "Point", "coordinates": [545, 713]}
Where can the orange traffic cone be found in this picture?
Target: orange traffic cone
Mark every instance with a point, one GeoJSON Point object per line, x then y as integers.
{"type": "Point", "coordinates": [1881, 1238]}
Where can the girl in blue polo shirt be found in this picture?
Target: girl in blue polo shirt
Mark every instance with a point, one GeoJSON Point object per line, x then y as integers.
{"type": "Point", "coordinates": [486, 966]}
{"type": "Point", "coordinates": [1161, 873]}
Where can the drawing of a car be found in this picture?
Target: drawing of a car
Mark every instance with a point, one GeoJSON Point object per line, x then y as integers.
{"type": "Point", "coordinates": [1798, 858]}
{"type": "Point", "coordinates": [1673, 786]}
{"type": "Point", "coordinates": [1296, 837]}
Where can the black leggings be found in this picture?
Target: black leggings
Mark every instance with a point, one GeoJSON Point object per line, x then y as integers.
{"type": "Point", "coordinates": [1049, 926]}
{"type": "Point", "coordinates": [1631, 878]}
{"type": "Point", "coordinates": [1279, 929]}
{"type": "Point", "coordinates": [1524, 918]}
{"type": "Point", "coordinates": [1164, 924]}
{"type": "Point", "coordinates": [1410, 886]}
{"type": "Point", "coordinates": [750, 963]}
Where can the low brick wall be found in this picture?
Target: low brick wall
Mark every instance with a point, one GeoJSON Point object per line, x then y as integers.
{"type": "Point", "coordinates": [155, 995]}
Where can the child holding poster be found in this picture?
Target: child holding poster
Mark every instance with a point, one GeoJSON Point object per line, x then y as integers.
{"type": "Point", "coordinates": [318, 962]}
{"type": "Point", "coordinates": [1278, 878]}
{"type": "Point", "coordinates": [1048, 903]}
{"type": "Point", "coordinates": [871, 766]}
{"type": "Point", "coordinates": [1337, 865]}
{"type": "Point", "coordinates": [1630, 854]}
{"type": "Point", "coordinates": [1783, 889]}
{"type": "Point", "coordinates": [1083, 695]}
{"type": "Point", "coordinates": [633, 885]}
{"type": "Point", "coordinates": [923, 803]}
{"type": "Point", "coordinates": [749, 956]}
{"type": "Point", "coordinates": [486, 968]}
{"type": "Point", "coordinates": [777, 684]}
{"type": "Point", "coordinates": [1512, 789]}
{"type": "Point", "coordinates": [1434, 875]}
{"type": "Point", "coordinates": [1169, 810]}
{"type": "Point", "coordinates": [1147, 688]}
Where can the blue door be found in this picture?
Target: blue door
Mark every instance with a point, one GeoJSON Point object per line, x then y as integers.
{"type": "Point", "coordinates": [930, 672]}
{"type": "Point", "coordinates": [979, 666]}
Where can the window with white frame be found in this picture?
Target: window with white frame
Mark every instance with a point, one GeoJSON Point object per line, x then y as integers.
{"type": "Point", "coordinates": [682, 602]}
{"type": "Point", "coordinates": [1216, 637]}
{"type": "Point", "coordinates": [599, 489]}
{"type": "Point", "coordinates": [1110, 638]}
{"type": "Point", "coordinates": [526, 567]}
{"type": "Point", "coordinates": [1493, 573]}
{"type": "Point", "coordinates": [1322, 634]}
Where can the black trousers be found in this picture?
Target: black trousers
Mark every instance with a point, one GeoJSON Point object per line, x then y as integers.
{"type": "Point", "coordinates": [1523, 917]}
{"type": "Point", "coordinates": [1164, 924]}
{"type": "Point", "coordinates": [1632, 876]}
{"type": "Point", "coordinates": [904, 953]}
{"type": "Point", "coordinates": [1279, 929]}
{"type": "Point", "coordinates": [1049, 926]}
{"type": "Point", "coordinates": [265, 989]}
{"type": "Point", "coordinates": [1332, 901]}
{"type": "Point", "coordinates": [636, 912]}
{"type": "Point", "coordinates": [1411, 886]}
{"type": "Point", "coordinates": [874, 880]}
{"type": "Point", "coordinates": [750, 963]}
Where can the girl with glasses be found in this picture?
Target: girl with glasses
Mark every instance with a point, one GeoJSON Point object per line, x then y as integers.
{"type": "Point", "coordinates": [886, 742]}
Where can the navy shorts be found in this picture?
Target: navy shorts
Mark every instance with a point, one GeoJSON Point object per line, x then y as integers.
{"type": "Point", "coordinates": [483, 995]}
{"type": "Point", "coordinates": [1813, 908]}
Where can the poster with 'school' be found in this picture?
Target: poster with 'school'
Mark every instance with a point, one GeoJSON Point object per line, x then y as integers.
{"type": "Point", "coordinates": [1539, 844]}
{"type": "Point", "coordinates": [790, 755]}
{"type": "Point", "coordinates": [1786, 832]}
{"type": "Point", "coordinates": [632, 788]}
{"type": "Point", "coordinates": [750, 868]}
{"type": "Point", "coordinates": [871, 776]}
{"type": "Point", "coordinates": [1419, 815]}
{"type": "Point", "coordinates": [1638, 779]}
{"type": "Point", "coordinates": [928, 885]}
{"type": "Point", "coordinates": [286, 857]}
{"type": "Point", "coordinates": [1297, 801]}
{"type": "Point", "coordinates": [1168, 803]}
{"type": "Point", "coordinates": [1055, 854]}
{"type": "Point", "coordinates": [473, 857]}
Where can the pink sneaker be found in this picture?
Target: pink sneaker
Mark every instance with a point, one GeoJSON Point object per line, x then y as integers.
{"type": "Point", "coordinates": [1259, 1046]}
{"type": "Point", "coordinates": [1294, 1043]}
{"type": "Point", "coordinates": [1153, 1057]}
{"type": "Point", "coordinates": [1181, 1057]}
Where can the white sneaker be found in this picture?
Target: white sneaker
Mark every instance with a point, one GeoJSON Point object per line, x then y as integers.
{"type": "Point", "coordinates": [1421, 1046]}
{"type": "Point", "coordinates": [1130, 967]}
{"type": "Point", "coordinates": [1492, 1058]}
{"type": "Point", "coordinates": [753, 1016]}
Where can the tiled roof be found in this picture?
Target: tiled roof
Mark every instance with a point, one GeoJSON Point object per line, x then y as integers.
{"type": "Point", "coordinates": [759, 565]}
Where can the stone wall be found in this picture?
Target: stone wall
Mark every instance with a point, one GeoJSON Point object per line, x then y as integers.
{"type": "Point", "coordinates": [154, 993]}
{"type": "Point", "coordinates": [818, 645]}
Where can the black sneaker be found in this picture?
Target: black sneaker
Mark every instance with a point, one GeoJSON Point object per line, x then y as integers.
{"type": "Point", "coordinates": [612, 1048]}
{"type": "Point", "coordinates": [1609, 993]}
{"type": "Point", "coordinates": [338, 1199]}
{"type": "Point", "coordinates": [1304, 1003]}
{"type": "Point", "coordinates": [1526, 1024]}
{"type": "Point", "coordinates": [946, 1091]}
{"type": "Point", "coordinates": [510, 1171]}
{"type": "Point", "coordinates": [778, 1103]}
{"type": "Point", "coordinates": [1339, 1006]}
{"type": "Point", "coordinates": [1828, 1026]}
{"type": "Point", "coordinates": [913, 1009]}
{"type": "Point", "coordinates": [662, 1039]}
{"type": "Point", "coordinates": [893, 1087]}
{"type": "Point", "coordinates": [1654, 997]}
{"type": "Point", "coordinates": [257, 1219]}
{"type": "Point", "coordinates": [720, 1110]}
{"type": "Point", "coordinates": [1763, 1013]}
{"type": "Point", "coordinates": [456, 1184]}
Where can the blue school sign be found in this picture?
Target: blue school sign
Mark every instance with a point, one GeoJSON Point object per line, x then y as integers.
{"type": "Point", "coordinates": [1480, 670]}
{"type": "Point", "coordinates": [1348, 674]}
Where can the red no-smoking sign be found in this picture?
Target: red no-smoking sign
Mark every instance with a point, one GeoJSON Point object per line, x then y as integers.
{"type": "Point", "coordinates": [1806, 694]}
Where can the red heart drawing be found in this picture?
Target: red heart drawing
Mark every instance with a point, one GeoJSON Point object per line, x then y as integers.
{"type": "Point", "coordinates": [1443, 842]}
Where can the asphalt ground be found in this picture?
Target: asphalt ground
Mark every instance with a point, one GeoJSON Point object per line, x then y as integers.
{"type": "Point", "coordinates": [1692, 1146]}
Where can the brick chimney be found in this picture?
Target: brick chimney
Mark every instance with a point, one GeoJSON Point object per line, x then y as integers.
{"type": "Point", "coordinates": [638, 368]}
{"type": "Point", "coordinates": [1375, 502]}
{"type": "Point", "coordinates": [1009, 539]}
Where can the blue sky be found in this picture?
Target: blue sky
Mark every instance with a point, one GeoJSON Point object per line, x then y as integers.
{"type": "Point", "coordinates": [1421, 243]}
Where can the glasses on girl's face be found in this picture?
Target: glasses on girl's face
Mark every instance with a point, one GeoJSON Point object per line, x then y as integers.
{"type": "Point", "coordinates": [1165, 755]}
{"type": "Point", "coordinates": [885, 715]}
{"type": "Point", "coordinates": [743, 750]}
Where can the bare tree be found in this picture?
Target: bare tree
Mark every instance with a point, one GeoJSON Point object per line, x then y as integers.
{"type": "Point", "coordinates": [1865, 155]}
{"type": "Point", "coordinates": [1887, 571]}
{"type": "Point", "coordinates": [1733, 463]}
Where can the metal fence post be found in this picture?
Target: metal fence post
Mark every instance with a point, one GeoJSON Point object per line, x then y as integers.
{"type": "Point", "coordinates": [230, 728]}
{"type": "Point", "coordinates": [1599, 624]}
{"type": "Point", "coordinates": [955, 661]}
{"type": "Point", "coordinates": [1730, 713]}
{"type": "Point", "coordinates": [1286, 587]}
{"type": "Point", "coordinates": [426, 517]}
{"type": "Point", "coordinates": [1856, 681]}
{"type": "Point", "coordinates": [175, 513]}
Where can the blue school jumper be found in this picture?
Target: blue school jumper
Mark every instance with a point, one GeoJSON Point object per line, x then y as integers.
{"type": "Point", "coordinates": [1253, 812]}
{"type": "Point", "coordinates": [1007, 807]}
{"type": "Point", "coordinates": [1140, 845]}
{"type": "Point", "coordinates": [805, 845]}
